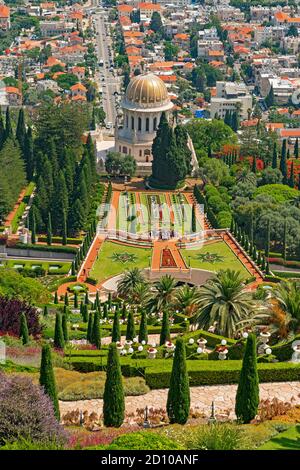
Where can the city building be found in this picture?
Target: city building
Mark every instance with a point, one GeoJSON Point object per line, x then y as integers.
{"type": "Point", "coordinates": [4, 17]}
{"type": "Point", "coordinates": [231, 96]}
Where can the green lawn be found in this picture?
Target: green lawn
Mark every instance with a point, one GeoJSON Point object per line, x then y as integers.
{"type": "Point", "coordinates": [287, 440]}
{"type": "Point", "coordinates": [106, 265]}
{"type": "Point", "coordinates": [227, 259]}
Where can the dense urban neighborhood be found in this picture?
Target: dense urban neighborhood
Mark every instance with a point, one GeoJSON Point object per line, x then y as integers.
{"type": "Point", "coordinates": [150, 226]}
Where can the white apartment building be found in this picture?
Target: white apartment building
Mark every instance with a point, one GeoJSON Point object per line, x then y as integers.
{"type": "Point", "coordinates": [204, 47]}
{"type": "Point", "coordinates": [55, 28]}
{"type": "Point", "coordinates": [282, 88]}
{"type": "Point", "coordinates": [268, 33]}
{"type": "Point", "coordinates": [228, 13]}
{"type": "Point", "coordinates": [210, 34]}
{"type": "Point", "coordinates": [171, 3]}
{"type": "Point", "coordinates": [231, 96]}
{"type": "Point", "coordinates": [259, 14]}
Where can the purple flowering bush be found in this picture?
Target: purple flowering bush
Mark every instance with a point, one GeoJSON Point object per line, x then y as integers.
{"type": "Point", "coordinates": [26, 412]}
{"type": "Point", "coordinates": [10, 312]}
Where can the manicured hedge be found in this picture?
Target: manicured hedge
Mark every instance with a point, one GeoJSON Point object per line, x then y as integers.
{"type": "Point", "coordinates": [286, 274]}
{"type": "Point", "coordinates": [157, 372]}
{"type": "Point", "coordinates": [222, 372]}
{"type": "Point", "coordinates": [213, 340]}
{"type": "Point", "coordinates": [70, 241]}
{"type": "Point", "coordinates": [55, 285]}
{"type": "Point", "coordinates": [55, 248]}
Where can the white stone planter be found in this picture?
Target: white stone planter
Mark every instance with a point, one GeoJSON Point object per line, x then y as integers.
{"type": "Point", "coordinates": [152, 353]}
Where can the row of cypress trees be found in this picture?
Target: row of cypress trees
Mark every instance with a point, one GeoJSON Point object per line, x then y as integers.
{"type": "Point", "coordinates": [178, 401]}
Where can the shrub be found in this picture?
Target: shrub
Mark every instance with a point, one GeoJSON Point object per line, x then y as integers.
{"type": "Point", "coordinates": [143, 441]}
{"type": "Point", "coordinates": [130, 331]}
{"type": "Point", "coordinates": [26, 412]}
{"type": "Point", "coordinates": [59, 341]}
{"type": "Point", "coordinates": [10, 317]}
{"type": "Point", "coordinates": [24, 329]}
{"type": "Point", "coordinates": [165, 329]}
{"type": "Point", "coordinates": [218, 436]}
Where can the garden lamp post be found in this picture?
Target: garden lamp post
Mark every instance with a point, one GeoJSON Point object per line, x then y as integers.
{"type": "Point", "coordinates": [212, 419]}
{"type": "Point", "coordinates": [146, 423]}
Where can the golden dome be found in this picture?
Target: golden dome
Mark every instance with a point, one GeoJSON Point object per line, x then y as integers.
{"type": "Point", "coordinates": [147, 90]}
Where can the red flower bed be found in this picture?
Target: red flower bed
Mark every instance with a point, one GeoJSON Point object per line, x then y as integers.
{"type": "Point", "coordinates": [167, 259]}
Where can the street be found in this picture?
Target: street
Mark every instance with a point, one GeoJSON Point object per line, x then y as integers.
{"type": "Point", "coordinates": [107, 82]}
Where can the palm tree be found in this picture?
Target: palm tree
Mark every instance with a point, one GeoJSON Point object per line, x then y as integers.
{"type": "Point", "coordinates": [163, 294]}
{"type": "Point", "coordinates": [187, 300]}
{"type": "Point", "coordinates": [129, 281]}
{"type": "Point", "coordinates": [224, 302]}
{"type": "Point", "coordinates": [141, 294]}
{"type": "Point", "coordinates": [281, 313]}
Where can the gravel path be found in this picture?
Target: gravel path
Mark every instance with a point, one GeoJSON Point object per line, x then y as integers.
{"type": "Point", "coordinates": [201, 398]}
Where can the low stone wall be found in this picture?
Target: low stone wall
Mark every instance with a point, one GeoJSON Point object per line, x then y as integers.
{"type": "Point", "coordinates": [40, 254]}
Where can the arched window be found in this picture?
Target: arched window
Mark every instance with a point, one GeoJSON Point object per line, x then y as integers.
{"type": "Point", "coordinates": [147, 124]}
{"type": "Point", "coordinates": [154, 123]}
{"type": "Point", "coordinates": [132, 123]}
{"type": "Point", "coordinates": [126, 120]}
{"type": "Point", "coordinates": [139, 124]}
{"type": "Point", "coordinates": [125, 150]}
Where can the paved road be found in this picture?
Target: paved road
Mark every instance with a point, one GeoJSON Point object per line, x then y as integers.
{"type": "Point", "coordinates": [106, 78]}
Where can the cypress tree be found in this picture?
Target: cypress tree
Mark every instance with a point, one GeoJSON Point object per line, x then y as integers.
{"type": "Point", "coordinates": [49, 230]}
{"type": "Point", "coordinates": [97, 301]}
{"type": "Point", "coordinates": [259, 260]}
{"type": "Point", "coordinates": [45, 311]}
{"type": "Point", "coordinates": [66, 299]}
{"type": "Point", "coordinates": [105, 312]}
{"type": "Point", "coordinates": [85, 313]}
{"type": "Point", "coordinates": [130, 330]}
{"type": "Point", "coordinates": [247, 396]}
{"type": "Point", "coordinates": [165, 329]}
{"type": "Point", "coordinates": [86, 299]}
{"type": "Point", "coordinates": [268, 236]}
{"type": "Point", "coordinates": [283, 162]}
{"type": "Point", "coordinates": [89, 334]}
{"type": "Point", "coordinates": [292, 178]}
{"type": "Point", "coordinates": [65, 327]}
{"type": "Point", "coordinates": [194, 224]}
{"type": "Point", "coordinates": [143, 333]}
{"type": "Point", "coordinates": [47, 379]}
{"type": "Point", "coordinates": [8, 126]}
{"type": "Point", "coordinates": [96, 334]}
{"type": "Point", "coordinates": [178, 403]}
{"type": "Point", "coordinates": [116, 334]}
{"type": "Point", "coordinates": [28, 153]}
{"type": "Point", "coordinates": [263, 263]}
{"type": "Point", "coordinates": [76, 300]}
{"type": "Point", "coordinates": [296, 148]}
{"type": "Point", "coordinates": [21, 129]}
{"type": "Point", "coordinates": [267, 267]}
{"type": "Point", "coordinates": [24, 334]}
{"type": "Point", "coordinates": [81, 308]}
{"type": "Point", "coordinates": [55, 298]}
{"type": "Point", "coordinates": [124, 311]}
{"type": "Point", "coordinates": [33, 228]}
{"type": "Point", "coordinates": [109, 301]}
{"type": "Point", "coordinates": [284, 238]}
{"type": "Point", "coordinates": [274, 158]}
{"type": "Point", "coordinates": [64, 229]}
{"type": "Point", "coordinates": [58, 332]}
{"type": "Point", "coordinates": [113, 397]}
{"type": "Point", "coordinates": [2, 131]}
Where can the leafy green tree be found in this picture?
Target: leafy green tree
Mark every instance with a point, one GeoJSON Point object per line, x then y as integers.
{"type": "Point", "coordinates": [130, 330]}
{"type": "Point", "coordinates": [47, 379]}
{"type": "Point", "coordinates": [170, 50]}
{"type": "Point", "coordinates": [24, 334]}
{"type": "Point", "coordinates": [143, 331]}
{"type": "Point", "coordinates": [247, 396]}
{"type": "Point", "coordinates": [129, 281]}
{"type": "Point", "coordinates": [113, 397]}
{"type": "Point", "coordinates": [165, 329]}
{"type": "Point", "coordinates": [178, 402]}
{"type": "Point", "coordinates": [156, 24]}
{"type": "Point", "coordinates": [58, 332]}
{"type": "Point", "coordinates": [163, 294]}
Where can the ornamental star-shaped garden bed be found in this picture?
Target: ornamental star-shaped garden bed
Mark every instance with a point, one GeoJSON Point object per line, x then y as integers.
{"type": "Point", "coordinates": [210, 257]}
{"type": "Point", "coordinates": [123, 257]}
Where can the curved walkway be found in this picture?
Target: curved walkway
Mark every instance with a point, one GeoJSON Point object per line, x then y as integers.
{"type": "Point", "coordinates": [201, 398]}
